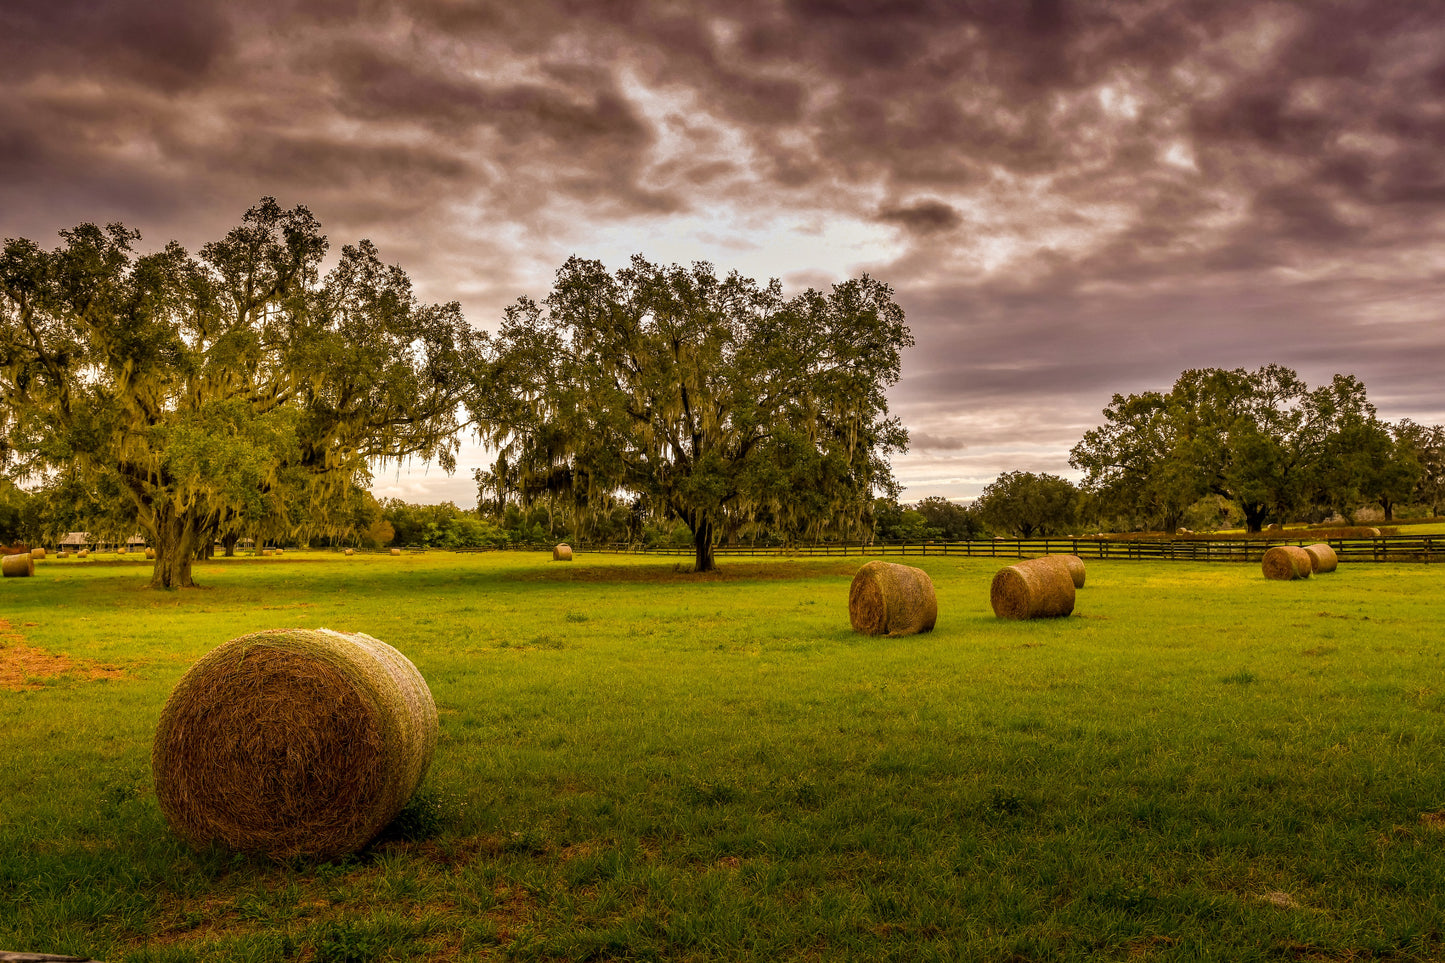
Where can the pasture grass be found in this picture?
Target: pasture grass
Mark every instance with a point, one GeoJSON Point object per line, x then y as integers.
{"type": "Point", "coordinates": [640, 764]}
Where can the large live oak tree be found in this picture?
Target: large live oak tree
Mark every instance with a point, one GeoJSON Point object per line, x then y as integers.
{"type": "Point", "coordinates": [204, 387]}
{"type": "Point", "coordinates": [713, 400]}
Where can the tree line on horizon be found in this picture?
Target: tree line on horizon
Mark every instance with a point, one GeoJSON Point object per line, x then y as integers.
{"type": "Point", "coordinates": [245, 392]}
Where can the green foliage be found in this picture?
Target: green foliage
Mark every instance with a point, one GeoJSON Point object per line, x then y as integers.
{"type": "Point", "coordinates": [710, 400]}
{"type": "Point", "coordinates": [240, 388]}
{"type": "Point", "coordinates": [1262, 439]}
{"type": "Point", "coordinates": [1029, 505]}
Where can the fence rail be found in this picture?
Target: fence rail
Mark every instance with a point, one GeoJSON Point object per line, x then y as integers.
{"type": "Point", "coordinates": [1382, 548]}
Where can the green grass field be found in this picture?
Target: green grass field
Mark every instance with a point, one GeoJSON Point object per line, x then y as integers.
{"type": "Point", "coordinates": [638, 764]}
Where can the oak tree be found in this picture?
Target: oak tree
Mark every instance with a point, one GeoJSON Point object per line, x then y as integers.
{"type": "Point", "coordinates": [197, 385]}
{"type": "Point", "coordinates": [713, 400]}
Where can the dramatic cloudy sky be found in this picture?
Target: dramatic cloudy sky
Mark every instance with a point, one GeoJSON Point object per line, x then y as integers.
{"type": "Point", "coordinates": [1070, 198]}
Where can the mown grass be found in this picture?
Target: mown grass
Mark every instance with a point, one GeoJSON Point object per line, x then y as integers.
{"type": "Point", "coordinates": [638, 764]}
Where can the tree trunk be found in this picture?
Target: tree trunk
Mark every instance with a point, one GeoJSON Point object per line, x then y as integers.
{"type": "Point", "coordinates": [1389, 507]}
{"type": "Point", "coordinates": [703, 560]}
{"type": "Point", "coordinates": [228, 543]}
{"type": "Point", "coordinates": [175, 543]}
{"type": "Point", "coordinates": [1254, 516]}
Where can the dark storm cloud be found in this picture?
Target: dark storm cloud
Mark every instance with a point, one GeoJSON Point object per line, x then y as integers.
{"type": "Point", "coordinates": [165, 44]}
{"type": "Point", "coordinates": [926, 217]}
{"type": "Point", "coordinates": [1070, 198]}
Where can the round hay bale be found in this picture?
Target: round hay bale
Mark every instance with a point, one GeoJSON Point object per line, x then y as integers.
{"type": "Point", "coordinates": [396, 551]}
{"type": "Point", "coordinates": [150, 553]}
{"type": "Point", "coordinates": [351, 551]}
{"type": "Point", "coordinates": [83, 553]}
{"type": "Point", "coordinates": [37, 553]}
{"type": "Point", "coordinates": [1286, 563]}
{"type": "Point", "coordinates": [18, 566]}
{"type": "Point", "coordinates": [1322, 558]}
{"type": "Point", "coordinates": [293, 742]}
{"type": "Point", "coordinates": [1037, 588]}
{"type": "Point", "coordinates": [562, 553]}
{"type": "Point", "coordinates": [63, 554]}
{"type": "Point", "coordinates": [1075, 566]}
{"type": "Point", "coordinates": [889, 599]}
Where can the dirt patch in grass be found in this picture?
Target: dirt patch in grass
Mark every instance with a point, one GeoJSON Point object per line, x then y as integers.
{"type": "Point", "coordinates": [24, 667]}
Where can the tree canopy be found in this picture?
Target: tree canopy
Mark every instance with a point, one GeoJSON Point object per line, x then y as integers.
{"type": "Point", "coordinates": [198, 387]}
{"type": "Point", "coordinates": [1262, 439]}
{"type": "Point", "coordinates": [712, 400]}
{"type": "Point", "coordinates": [1029, 505]}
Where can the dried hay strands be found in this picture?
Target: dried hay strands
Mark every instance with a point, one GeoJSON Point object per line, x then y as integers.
{"type": "Point", "coordinates": [293, 742]}
{"type": "Point", "coordinates": [1036, 588]}
{"type": "Point", "coordinates": [1322, 558]}
{"type": "Point", "coordinates": [18, 566]}
{"type": "Point", "coordinates": [1075, 566]}
{"type": "Point", "coordinates": [1286, 563]}
{"type": "Point", "coordinates": [890, 599]}
{"type": "Point", "coordinates": [562, 553]}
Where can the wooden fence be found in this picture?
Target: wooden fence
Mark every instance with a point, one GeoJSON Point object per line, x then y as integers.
{"type": "Point", "coordinates": [1383, 548]}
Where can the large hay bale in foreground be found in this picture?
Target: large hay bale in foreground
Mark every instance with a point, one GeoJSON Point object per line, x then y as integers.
{"type": "Point", "coordinates": [1322, 558]}
{"type": "Point", "coordinates": [293, 742]}
{"type": "Point", "coordinates": [889, 599]}
{"type": "Point", "coordinates": [562, 553]}
{"type": "Point", "coordinates": [18, 566]}
{"type": "Point", "coordinates": [1286, 563]}
{"type": "Point", "coordinates": [1036, 588]}
{"type": "Point", "coordinates": [1075, 566]}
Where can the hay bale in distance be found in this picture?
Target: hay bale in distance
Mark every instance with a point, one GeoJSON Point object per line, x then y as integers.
{"type": "Point", "coordinates": [18, 566]}
{"type": "Point", "coordinates": [562, 553]}
{"type": "Point", "coordinates": [293, 742]}
{"type": "Point", "coordinates": [1286, 563]}
{"type": "Point", "coordinates": [889, 599]}
{"type": "Point", "coordinates": [1322, 558]}
{"type": "Point", "coordinates": [150, 553]}
{"type": "Point", "coordinates": [1036, 588]}
{"type": "Point", "coordinates": [351, 551]}
{"type": "Point", "coordinates": [396, 551]}
{"type": "Point", "coordinates": [63, 554]}
{"type": "Point", "coordinates": [83, 553]}
{"type": "Point", "coordinates": [37, 553]}
{"type": "Point", "coordinates": [1075, 566]}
